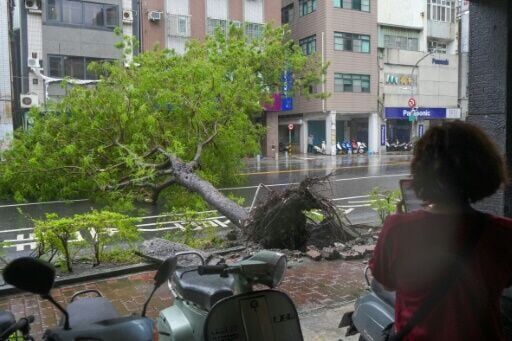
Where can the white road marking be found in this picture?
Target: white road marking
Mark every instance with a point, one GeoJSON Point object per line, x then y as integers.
{"type": "Point", "coordinates": [44, 203]}
{"type": "Point", "coordinates": [335, 180]}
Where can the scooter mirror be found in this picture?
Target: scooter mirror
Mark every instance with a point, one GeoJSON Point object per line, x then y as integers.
{"type": "Point", "coordinates": [29, 274]}
{"type": "Point", "coordinates": [165, 270]}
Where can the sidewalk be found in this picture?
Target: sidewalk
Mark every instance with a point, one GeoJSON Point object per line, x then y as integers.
{"type": "Point", "coordinates": [311, 285]}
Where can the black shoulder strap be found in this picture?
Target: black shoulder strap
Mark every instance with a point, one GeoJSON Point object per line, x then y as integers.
{"type": "Point", "coordinates": [444, 286]}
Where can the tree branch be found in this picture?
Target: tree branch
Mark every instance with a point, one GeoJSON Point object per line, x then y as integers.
{"type": "Point", "coordinates": [195, 161]}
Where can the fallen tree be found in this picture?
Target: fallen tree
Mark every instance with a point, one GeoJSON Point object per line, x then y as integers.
{"type": "Point", "coordinates": [167, 125]}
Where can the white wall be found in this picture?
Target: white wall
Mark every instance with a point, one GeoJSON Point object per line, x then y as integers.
{"type": "Point", "coordinates": [405, 13]}
{"type": "Point", "coordinates": [179, 7]}
{"type": "Point", "coordinates": [5, 78]}
{"type": "Point", "coordinates": [253, 11]}
{"type": "Point", "coordinates": [217, 9]}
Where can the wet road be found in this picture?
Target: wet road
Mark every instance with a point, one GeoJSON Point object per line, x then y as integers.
{"type": "Point", "coordinates": [352, 178]}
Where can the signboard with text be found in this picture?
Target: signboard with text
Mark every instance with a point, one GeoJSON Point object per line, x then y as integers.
{"type": "Point", "coordinates": [403, 113]}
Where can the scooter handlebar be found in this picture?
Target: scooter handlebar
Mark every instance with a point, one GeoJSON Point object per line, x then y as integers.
{"type": "Point", "coordinates": [20, 325]}
{"type": "Point", "coordinates": [211, 269]}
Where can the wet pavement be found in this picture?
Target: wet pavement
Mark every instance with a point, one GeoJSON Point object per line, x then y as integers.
{"type": "Point", "coordinates": [352, 178]}
{"type": "Point", "coordinates": [315, 287]}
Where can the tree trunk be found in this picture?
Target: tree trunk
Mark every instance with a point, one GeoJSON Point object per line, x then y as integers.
{"type": "Point", "coordinates": [230, 209]}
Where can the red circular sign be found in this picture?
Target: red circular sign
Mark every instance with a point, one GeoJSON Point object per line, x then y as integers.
{"type": "Point", "coordinates": [411, 102]}
{"type": "Point", "coordinates": [290, 126]}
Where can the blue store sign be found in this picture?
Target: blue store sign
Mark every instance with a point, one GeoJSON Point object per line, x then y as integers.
{"type": "Point", "coordinates": [403, 113]}
{"type": "Point", "coordinates": [286, 99]}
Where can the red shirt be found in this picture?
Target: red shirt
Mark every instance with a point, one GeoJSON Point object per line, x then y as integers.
{"type": "Point", "coordinates": [411, 254]}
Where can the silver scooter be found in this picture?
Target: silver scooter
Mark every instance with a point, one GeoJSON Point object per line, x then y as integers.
{"type": "Point", "coordinates": [373, 312]}
{"type": "Point", "coordinates": [217, 302]}
{"type": "Point", "coordinates": [88, 318]}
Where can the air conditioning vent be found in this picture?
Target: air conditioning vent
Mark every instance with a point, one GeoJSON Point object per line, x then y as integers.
{"type": "Point", "coordinates": [127, 16]}
{"type": "Point", "coordinates": [33, 6]}
{"type": "Point", "coordinates": [154, 15]}
{"type": "Point", "coordinates": [29, 101]}
{"type": "Point", "coordinates": [33, 63]}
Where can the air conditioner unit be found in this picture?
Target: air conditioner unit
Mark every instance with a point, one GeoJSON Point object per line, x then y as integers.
{"type": "Point", "coordinates": [154, 15]}
{"type": "Point", "coordinates": [33, 63]}
{"type": "Point", "coordinates": [32, 5]}
{"type": "Point", "coordinates": [127, 16]}
{"type": "Point", "coordinates": [29, 101]}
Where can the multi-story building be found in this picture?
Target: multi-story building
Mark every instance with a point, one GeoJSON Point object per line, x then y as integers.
{"type": "Point", "coordinates": [57, 39]}
{"type": "Point", "coordinates": [6, 122]}
{"type": "Point", "coordinates": [181, 20]}
{"type": "Point", "coordinates": [418, 63]}
{"type": "Point", "coordinates": [342, 33]}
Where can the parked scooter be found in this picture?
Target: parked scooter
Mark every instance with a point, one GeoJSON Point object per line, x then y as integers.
{"type": "Point", "coordinates": [89, 318]}
{"type": "Point", "coordinates": [9, 327]}
{"type": "Point", "coordinates": [373, 312]}
{"type": "Point", "coordinates": [217, 302]}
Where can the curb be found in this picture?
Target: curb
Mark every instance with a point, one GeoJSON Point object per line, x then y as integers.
{"type": "Point", "coordinates": [7, 289]}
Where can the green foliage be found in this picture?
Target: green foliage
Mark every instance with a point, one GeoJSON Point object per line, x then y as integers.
{"type": "Point", "coordinates": [104, 228]}
{"type": "Point", "coordinates": [120, 256]}
{"type": "Point", "coordinates": [195, 233]}
{"type": "Point", "coordinates": [384, 202]}
{"type": "Point", "coordinates": [55, 234]}
{"type": "Point", "coordinates": [59, 234]}
{"type": "Point", "coordinates": [98, 137]}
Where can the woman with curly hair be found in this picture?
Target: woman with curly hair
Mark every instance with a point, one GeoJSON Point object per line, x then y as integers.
{"type": "Point", "coordinates": [448, 256]}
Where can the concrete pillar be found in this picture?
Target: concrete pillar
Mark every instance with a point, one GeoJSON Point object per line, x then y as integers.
{"type": "Point", "coordinates": [304, 133]}
{"type": "Point", "coordinates": [330, 133]}
{"type": "Point", "coordinates": [346, 131]}
{"type": "Point", "coordinates": [271, 123]}
{"type": "Point", "coordinates": [373, 134]}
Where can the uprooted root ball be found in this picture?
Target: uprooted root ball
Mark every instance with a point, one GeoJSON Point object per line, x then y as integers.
{"type": "Point", "coordinates": [282, 221]}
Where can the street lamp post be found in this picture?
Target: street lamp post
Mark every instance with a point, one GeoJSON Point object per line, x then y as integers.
{"type": "Point", "coordinates": [414, 123]}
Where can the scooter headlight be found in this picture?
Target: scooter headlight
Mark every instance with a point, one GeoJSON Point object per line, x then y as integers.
{"type": "Point", "coordinates": [276, 267]}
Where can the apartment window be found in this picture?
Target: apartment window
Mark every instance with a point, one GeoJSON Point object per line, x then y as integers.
{"type": "Point", "coordinates": [83, 13]}
{"type": "Point", "coordinates": [182, 25]}
{"type": "Point", "coordinates": [401, 42]}
{"type": "Point", "coordinates": [287, 14]}
{"type": "Point", "coordinates": [253, 30]}
{"type": "Point", "coordinates": [71, 66]}
{"type": "Point", "coordinates": [308, 45]}
{"type": "Point", "coordinates": [344, 82]}
{"type": "Point", "coordinates": [437, 46]}
{"type": "Point", "coordinates": [212, 25]}
{"type": "Point", "coordinates": [351, 42]}
{"type": "Point", "coordinates": [358, 5]}
{"type": "Point", "coordinates": [441, 10]}
{"type": "Point", "coordinates": [306, 7]}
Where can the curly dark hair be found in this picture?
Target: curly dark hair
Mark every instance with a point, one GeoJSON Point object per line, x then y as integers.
{"type": "Point", "coordinates": [456, 161]}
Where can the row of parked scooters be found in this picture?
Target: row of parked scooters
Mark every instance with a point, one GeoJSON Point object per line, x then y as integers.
{"type": "Point", "coordinates": [398, 146]}
{"type": "Point", "coordinates": [211, 302]}
{"type": "Point", "coordinates": [346, 147]}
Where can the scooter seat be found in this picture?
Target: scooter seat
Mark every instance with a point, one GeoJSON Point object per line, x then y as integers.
{"type": "Point", "coordinates": [88, 310]}
{"type": "Point", "coordinates": [387, 296]}
{"type": "Point", "coordinates": [6, 320]}
{"type": "Point", "coordinates": [205, 290]}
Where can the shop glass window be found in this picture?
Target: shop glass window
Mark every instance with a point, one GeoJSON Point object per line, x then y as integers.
{"type": "Point", "coordinates": [253, 30]}
{"type": "Point", "coordinates": [351, 42]}
{"type": "Point", "coordinates": [72, 66]}
{"type": "Point", "coordinates": [55, 64]}
{"type": "Point", "coordinates": [212, 25]}
{"type": "Point", "coordinates": [308, 45]}
{"type": "Point", "coordinates": [441, 10]}
{"type": "Point", "coordinates": [53, 12]}
{"type": "Point", "coordinates": [357, 5]}
{"type": "Point", "coordinates": [306, 7]}
{"type": "Point", "coordinates": [287, 14]}
{"type": "Point", "coordinates": [93, 14]}
{"type": "Point", "coordinates": [400, 42]}
{"type": "Point", "coordinates": [351, 83]}
{"type": "Point", "coordinates": [111, 16]}
{"type": "Point", "coordinates": [72, 12]}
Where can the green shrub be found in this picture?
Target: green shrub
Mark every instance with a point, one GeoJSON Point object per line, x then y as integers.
{"type": "Point", "coordinates": [384, 202]}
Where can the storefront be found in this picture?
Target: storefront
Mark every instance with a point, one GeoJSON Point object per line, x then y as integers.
{"type": "Point", "coordinates": [400, 121]}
